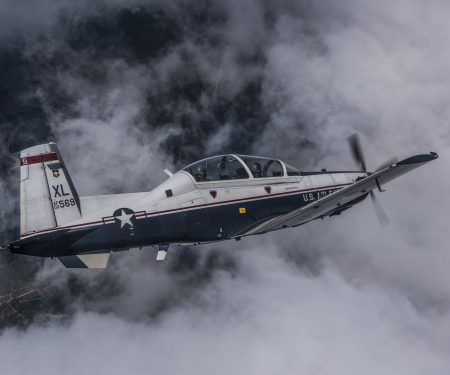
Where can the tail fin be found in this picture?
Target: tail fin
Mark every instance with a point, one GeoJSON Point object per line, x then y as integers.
{"type": "Point", "coordinates": [47, 196]}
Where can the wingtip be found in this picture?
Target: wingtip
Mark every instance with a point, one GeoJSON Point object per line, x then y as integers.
{"type": "Point", "coordinates": [418, 159]}
{"type": "Point", "coordinates": [6, 246]}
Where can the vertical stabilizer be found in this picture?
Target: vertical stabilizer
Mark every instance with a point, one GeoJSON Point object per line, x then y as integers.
{"type": "Point", "coordinates": [47, 196]}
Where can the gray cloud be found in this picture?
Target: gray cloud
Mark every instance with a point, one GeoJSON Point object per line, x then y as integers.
{"type": "Point", "coordinates": [270, 318]}
{"type": "Point", "coordinates": [335, 296]}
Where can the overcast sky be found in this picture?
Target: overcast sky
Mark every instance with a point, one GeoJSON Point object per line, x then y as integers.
{"type": "Point", "coordinates": [130, 88]}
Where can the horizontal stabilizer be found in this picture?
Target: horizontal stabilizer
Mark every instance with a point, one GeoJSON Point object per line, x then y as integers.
{"type": "Point", "coordinates": [85, 261]}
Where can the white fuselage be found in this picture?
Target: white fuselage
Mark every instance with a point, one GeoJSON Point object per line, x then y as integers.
{"type": "Point", "coordinates": [188, 194]}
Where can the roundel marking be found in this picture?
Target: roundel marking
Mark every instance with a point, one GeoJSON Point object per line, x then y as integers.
{"type": "Point", "coordinates": [124, 216]}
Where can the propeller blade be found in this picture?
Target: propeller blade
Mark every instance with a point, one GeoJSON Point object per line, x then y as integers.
{"type": "Point", "coordinates": [381, 215]}
{"type": "Point", "coordinates": [357, 153]}
{"type": "Point", "coordinates": [387, 163]}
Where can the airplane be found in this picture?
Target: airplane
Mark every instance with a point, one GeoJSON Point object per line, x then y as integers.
{"type": "Point", "coordinates": [214, 199]}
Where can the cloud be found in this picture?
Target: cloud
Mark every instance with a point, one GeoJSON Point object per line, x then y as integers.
{"type": "Point", "coordinates": [291, 80]}
{"type": "Point", "coordinates": [269, 318]}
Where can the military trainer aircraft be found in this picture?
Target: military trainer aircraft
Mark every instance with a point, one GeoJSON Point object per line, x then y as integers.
{"type": "Point", "coordinates": [219, 198]}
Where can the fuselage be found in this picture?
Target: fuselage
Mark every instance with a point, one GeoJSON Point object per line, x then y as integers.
{"type": "Point", "coordinates": [182, 210]}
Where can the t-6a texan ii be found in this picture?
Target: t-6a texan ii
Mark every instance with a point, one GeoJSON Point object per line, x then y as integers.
{"type": "Point", "coordinates": [219, 198]}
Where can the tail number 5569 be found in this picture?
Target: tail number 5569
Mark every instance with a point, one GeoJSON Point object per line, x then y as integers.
{"type": "Point", "coordinates": [63, 203]}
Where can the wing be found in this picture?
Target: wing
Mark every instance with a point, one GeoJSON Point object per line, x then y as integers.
{"type": "Point", "coordinates": [334, 201]}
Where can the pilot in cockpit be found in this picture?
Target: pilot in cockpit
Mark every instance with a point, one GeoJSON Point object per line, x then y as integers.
{"type": "Point", "coordinates": [200, 173]}
{"type": "Point", "coordinates": [256, 169]}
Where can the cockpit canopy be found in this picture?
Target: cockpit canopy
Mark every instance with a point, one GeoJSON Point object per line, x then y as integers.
{"type": "Point", "coordinates": [263, 167]}
{"type": "Point", "coordinates": [225, 167]}
{"type": "Point", "coordinates": [238, 167]}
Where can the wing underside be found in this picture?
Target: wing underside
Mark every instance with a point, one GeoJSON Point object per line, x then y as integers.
{"type": "Point", "coordinates": [343, 197]}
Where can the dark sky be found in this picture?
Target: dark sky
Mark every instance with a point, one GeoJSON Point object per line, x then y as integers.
{"type": "Point", "coordinates": [128, 88]}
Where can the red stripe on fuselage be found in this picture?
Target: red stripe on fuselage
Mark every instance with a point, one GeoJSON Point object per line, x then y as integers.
{"type": "Point", "coordinates": [41, 158]}
{"type": "Point", "coordinates": [156, 213]}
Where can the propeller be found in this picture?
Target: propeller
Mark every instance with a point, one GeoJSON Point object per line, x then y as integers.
{"type": "Point", "coordinates": [358, 156]}
{"type": "Point", "coordinates": [357, 153]}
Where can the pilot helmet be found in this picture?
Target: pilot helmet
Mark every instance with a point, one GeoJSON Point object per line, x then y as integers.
{"type": "Point", "coordinates": [200, 171]}
{"type": "Point", "coordinates": [256, 168]}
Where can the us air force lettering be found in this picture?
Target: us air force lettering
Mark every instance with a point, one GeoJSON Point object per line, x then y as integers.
{"type": "Point", "coordinates": [219, 198]}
